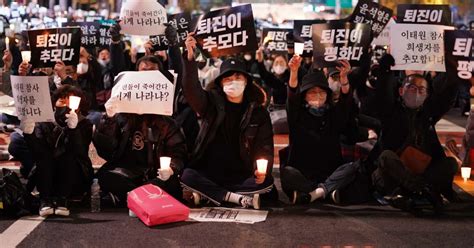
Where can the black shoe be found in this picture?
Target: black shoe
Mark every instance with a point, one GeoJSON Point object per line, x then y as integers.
{"type": "Point", "coordinates": [300, 198]}
{"type": "Point", "coordinates": [434, 198]}
{"type": "Point", "coordinates": [401, 202]}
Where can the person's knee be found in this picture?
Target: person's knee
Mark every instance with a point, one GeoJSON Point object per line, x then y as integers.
{"type": "Point", "coordinates": [386, 159]}
{"type": "Point", "coordinates": [189, 176]}
{"type": "Point", "coordinates": [17, 144]}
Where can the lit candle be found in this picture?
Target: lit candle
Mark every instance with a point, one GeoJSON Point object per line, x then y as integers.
{"type": "Point", "coordinates": [299, 48]}
{"type": "Point", "coordinates": [7, 43]}
{"type": "Point", "coordinates": [165, 163]}
{"type": "Point", "coordinates": [466, 173]}
{"type": "Point", "coordinates": [262, 166]}
{"type": "Point", "coordinates": [74, 102]}
{"type": "Point", "coordinates": [26, 56]}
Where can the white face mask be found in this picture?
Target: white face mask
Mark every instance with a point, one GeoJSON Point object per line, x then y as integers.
{"type": "Point", "coordinates": [82, 68]}
{"type": "Point", "coordinates": [247, 57]}
{"type": "Point", "coordinates": [234, 88]}
{"type": "Point", "coordinates": [57, 81]}
{"type": "Point", "coordinates": [335, 86]}
{"type": "Point", "coordinates": [279, 69]}
{"type": "Point", "coordinates": [103, 62]}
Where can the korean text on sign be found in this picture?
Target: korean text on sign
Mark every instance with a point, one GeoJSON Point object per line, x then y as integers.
{"type": "Point", "coordinates": [32, 98]}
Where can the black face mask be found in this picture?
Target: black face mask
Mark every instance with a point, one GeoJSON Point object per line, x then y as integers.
{"type": "Point", "coordinates": [60, 115]}
{"type": "Point", "coordinates": [201, 65]}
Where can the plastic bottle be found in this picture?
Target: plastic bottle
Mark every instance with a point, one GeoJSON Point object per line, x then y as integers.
{"type": "Point", "coordinates": [95, 196]}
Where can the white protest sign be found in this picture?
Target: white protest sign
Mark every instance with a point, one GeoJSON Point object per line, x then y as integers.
{"type": "Point", "coordinates": [384, 38]}
{"type": "Point", "coordinates": [142, 92]}
{"type": "Point", "coordinates": [143, 17]}
{"type": "Point", "coordinates": [418, 47]}
{"type": "Point", "coordinates": [32, 98]}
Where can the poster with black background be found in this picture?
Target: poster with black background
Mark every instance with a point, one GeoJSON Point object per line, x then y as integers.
{"type": "Point", "coordinates": [371, 13]}
{"type": "Point", "coordinates": [439, 14]}
{"type": "Point", "coordinates": [302, 33]}
{"type": "Point", "coordinates": [50, 45]}
{"type": "Point", "coordinates": [90, 32]}
{"type": "Point", "coordinates": [459, 53]}
{"type": "Point", "coordinates": [274, 40]}
{"type": "Point", "coordinates": [339, 40]}
{"type": "Point", "coordinates": [226, 31]}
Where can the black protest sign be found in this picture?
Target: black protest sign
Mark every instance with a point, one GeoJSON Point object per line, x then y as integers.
{"type": "Point", "coordinates": [90, 32]}
{"type": "Point", "coordinates": [459, 53]}
{"type": "Point", "coordinates": [50, 45]}
{"type": "Point", "coordinates": [339, 40]}
{"type": "Point", "coordinates": [226, 31]}
{"type": "Point", "coordinates": [302, 33]}
{"type": "Point", "coordinates": [371, 13]}
{"type": "Point", "coordinates": [274, 40]}
{"type": "Point", "coordinates": [104, 37]}
{"type": "Point", "coordinates": [182, 23]}
{"type": "Point", "coordinates": [424, 14]}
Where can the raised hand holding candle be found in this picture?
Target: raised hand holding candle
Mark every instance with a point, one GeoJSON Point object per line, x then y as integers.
{"type": "Point", "coordinates": [165, 163]}
{"type": "Point", "coordinates": [74, 102]}
{"type": "Point", "coordinates": [299, 48]}
{"type": "Point", "coordinates": [26, 56]}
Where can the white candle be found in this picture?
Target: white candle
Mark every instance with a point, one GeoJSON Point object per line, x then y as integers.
{"type": "Point", "coordinates": [74, 102]}
{"type": "Point", "coordinates": [165, 163]}
{"type": "Point", "coordinates": [26, 56]}
{"type": "Point", "coordinates": [299, 48]}
{"type": "Point", "coordinates": [7, 43]}
{"type": "Point", "coordinates": [466, 173]}
{"type": "Point", "coordinates": [262, 166]}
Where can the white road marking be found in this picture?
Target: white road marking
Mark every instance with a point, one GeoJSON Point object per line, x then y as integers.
{"type": "Point", "coordinates": [19, 230]}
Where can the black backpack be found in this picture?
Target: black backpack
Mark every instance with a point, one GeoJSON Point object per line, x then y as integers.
{"type": "Point", "coordinates": [15, 200]}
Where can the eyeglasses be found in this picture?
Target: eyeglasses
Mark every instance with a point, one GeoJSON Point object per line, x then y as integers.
{"type": "Point", "coordinates": [413, 88]}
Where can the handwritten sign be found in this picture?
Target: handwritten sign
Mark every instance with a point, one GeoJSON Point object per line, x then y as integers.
{"type": "Point", "coordinates": [227, 31]}
{"type": "Point", "coordinates": [32, 98]}
{"type": "Point", "coordinates": [143, 17]}
{"type": "Point", "coordinates": [418, 47]}
{"type": "Point", "coordinates": [143, 92]}
{"type": "Point", "coordinates": [50, 45]}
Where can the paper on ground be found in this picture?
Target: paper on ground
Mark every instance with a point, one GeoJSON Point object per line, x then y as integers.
{"type": "Point", "coordinates": [235, 215]}
{"type": "Point", "coordinates": [7, 105]}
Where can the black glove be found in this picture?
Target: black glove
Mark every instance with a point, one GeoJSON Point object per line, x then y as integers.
{"type": "Point", "coordinates": [171, 34]}
{"type": "Point", "coordinates": [115, 32]}
{"type": "Point", "coordinates": [386, 62]}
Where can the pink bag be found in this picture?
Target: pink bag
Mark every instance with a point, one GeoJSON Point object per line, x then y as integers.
{"type": "Point", "coordinates": [154, 206]}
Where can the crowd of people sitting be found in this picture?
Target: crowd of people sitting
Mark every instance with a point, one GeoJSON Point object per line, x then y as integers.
{"type": "Point", "coordinates": [223, 123]}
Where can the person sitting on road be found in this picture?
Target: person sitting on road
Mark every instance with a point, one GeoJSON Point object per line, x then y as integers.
{"type": "Point", "coordinates": [236, 131]}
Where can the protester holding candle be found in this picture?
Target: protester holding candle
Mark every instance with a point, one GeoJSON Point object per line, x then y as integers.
{"type": "Point", "coordinates": [132, 145]}
{"type": "Point", "coordinates": [236, 131]}
{"type": "Point", "coordinates": [60, 151]}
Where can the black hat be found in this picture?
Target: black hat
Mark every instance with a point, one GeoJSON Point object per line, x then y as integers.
{"type": "Point", "coordinates": [231, 66]}
{"type": "Point", "coordinates": [315, 79]}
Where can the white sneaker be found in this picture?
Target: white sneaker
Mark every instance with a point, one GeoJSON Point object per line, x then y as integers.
{"type": "Point", "coordinates": [45, 211]}
{"type": "Point", "coordinates": [62, 211]}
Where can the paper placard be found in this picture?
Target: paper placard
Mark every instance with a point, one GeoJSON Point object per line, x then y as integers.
{"type": "Point", "coordinates": [418, 47]}
{"type": "Point", "coordinates": [50, 45]}
{"type": "Point", "coordinates": [374, 14]}
{"type": "Point", "coordinates": [302, 32]}
{"type": "Point", "coordinates": [226, 31]}
{"type": "Point", "coordinates": [143, 92]}
{"type": "Point", "coordinates": [424, 14]}
{"type": "Point", "coordinates": [459, 52]}
{"type": "Point", "coordinates": [32, 98]}
{"type": "Point", "coordinates": [143, 17]}
{"type": "Point", "coordinates": [274, 40]}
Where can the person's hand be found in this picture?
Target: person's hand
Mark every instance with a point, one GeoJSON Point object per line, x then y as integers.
{"type": "Point", "coordinates": [115, 32]}
{"type": "Point", "coordinates": [60, 69]}
{"type": "Point", "coordinates": [72, 119]}
{"type": "Point", "coordinates": [471, 90]}
{"type": "Point", "coordinates": [259, 177]}
{"type": "Point", "coordinates": [259, 55]}
{"type": "Point", "coordinates": [165, 174]}
{"type": "Point", "coordinates": [23, 68]}
{"type": "Point", "coordinates": [7, 60]}
{"type": "Point", "coordinates": [148, 49]}
{"type": "Point", "coordinates": [190, 45]}
{"type": "Point", "coordinates": [27, 126]}
{"type": "Point", "coordinates": [294, 63]}
{"type": "Point", "coordinates": [171, 34]}
{"type": "Point", "coordinates": [110, 108]}
{"type": "Point", "coordinates": [344, 69]}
